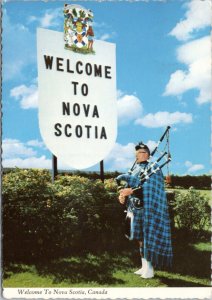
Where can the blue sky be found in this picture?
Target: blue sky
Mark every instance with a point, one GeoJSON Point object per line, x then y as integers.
{"type": "Point", "coordinates": [163, 78]}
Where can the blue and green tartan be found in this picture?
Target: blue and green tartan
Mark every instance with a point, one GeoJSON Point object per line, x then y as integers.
{"type": "Point", "coordinates": [155, 224]}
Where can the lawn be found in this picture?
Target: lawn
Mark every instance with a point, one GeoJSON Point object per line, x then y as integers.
{"type": "Point", "coordinates": [191, 268]}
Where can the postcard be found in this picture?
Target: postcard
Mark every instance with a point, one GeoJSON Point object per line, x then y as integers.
{"type": "Point", "coordinates": [106, 149]}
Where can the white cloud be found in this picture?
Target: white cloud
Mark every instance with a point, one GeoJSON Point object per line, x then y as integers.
{"type": "Point", "coordinates": [22, 155]}
{"type": "Point", "coordinates": [129, 108]}
{"type": "Point", "coordinates": [36, 143]}
{"type": "Point", "coordinates": [47, 20]}
{"type": "Point", "coordinates": [103, 31]}
{"type": "Point", "coordinates": [18, 50]}
{"type": "Point", "coordinates": [52, 18]}
{"type": "Point", "coordinates": [41, 162]}
{"type": "Point", "coordinates": [194, 50]}
{"type": "Point", "coordinates": [151, 145]}
{"type": "Point", "coordinates": [198, 16]}
{"type": "Point", "coordinates": [13, 148]}
{"type": "Point", "coordinates": [119, 94]}
{"type": "Point", "coordinates": [192, 168]}
{"type": "Point", "coordinates": [121, 157]}
{"type": "Point", "coordinates": [164, 118]}
{"type": "Point", "coordinates": [27, 95]}
{"type": "Point", "coordinates": [19, 42]}
{"type": "Point", "coordinates": [106, 36]}
{"type": "Point", "coordinates": [31, 162]}
{"type": "Point", "coordinates": [196, 55]}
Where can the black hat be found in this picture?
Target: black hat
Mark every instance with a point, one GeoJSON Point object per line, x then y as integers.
{"type": "Point", "coordinates": [141, 145]}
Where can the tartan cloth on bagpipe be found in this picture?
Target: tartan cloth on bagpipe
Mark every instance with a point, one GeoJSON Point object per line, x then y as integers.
{"type": "Point", "coordinates": [134, 224]}
{"type": "Point", "coordinates": [157, 246]}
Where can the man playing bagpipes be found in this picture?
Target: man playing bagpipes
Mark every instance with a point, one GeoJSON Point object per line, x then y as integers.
{"type": "Point", "coordinates": [147, 211]}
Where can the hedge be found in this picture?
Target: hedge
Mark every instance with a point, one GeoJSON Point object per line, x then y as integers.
{"type": "Point", "coordinates": [186, 181]}
{"type": "Point", "coordinates": [41, 219]}
{"type": "Point", "coordinates": [44, 220]}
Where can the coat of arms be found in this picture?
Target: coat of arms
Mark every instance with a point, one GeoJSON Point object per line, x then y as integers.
{"type": "Point", "coordinates": [78, 30]}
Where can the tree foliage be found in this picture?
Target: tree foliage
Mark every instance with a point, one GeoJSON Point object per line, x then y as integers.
{"type": "Point", "coordinates": [187, 181]}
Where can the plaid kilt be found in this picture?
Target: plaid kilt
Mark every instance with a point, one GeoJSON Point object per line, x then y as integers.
{"type": "Point", "coordinates": [153, 222]}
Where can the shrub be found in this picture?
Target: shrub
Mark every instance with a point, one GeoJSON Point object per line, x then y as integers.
{"type": "Point", "coordinates": [192, 211]}
{"type": "Point", "coordinates": [42, 220]}
{"type": "Point", "coordinates": [79, 213]}
{"type": "Point", "coordinates": [86, 219]}
{"type": "Point", "coordinates": [111, 186]}
{"type": "Point", "coordinates": [26, 221]}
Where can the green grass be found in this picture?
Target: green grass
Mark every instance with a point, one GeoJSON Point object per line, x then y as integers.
{"type": "Point", "coordinates": [191, 268]}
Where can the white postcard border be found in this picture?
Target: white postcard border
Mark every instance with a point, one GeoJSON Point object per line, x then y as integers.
{"type": "Point", "coordinates": [107, 293]}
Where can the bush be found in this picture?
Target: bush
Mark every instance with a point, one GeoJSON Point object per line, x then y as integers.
{"type": "Point", "coordinates": [26, 221]}
{"type": "Point", "coordinates": [111, 186]}
{"type": "Point", "coordinates": [86, 219]}
{"type": "Point", "coordinates": [192, 211]}
{"type": "Point", "coordinates": [41, 219]}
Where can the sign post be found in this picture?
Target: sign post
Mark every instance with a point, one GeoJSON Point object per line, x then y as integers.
{"type": "Point", "coordinates": [102, 170]}
{"type": "Point", "coordinates": [54, 167]}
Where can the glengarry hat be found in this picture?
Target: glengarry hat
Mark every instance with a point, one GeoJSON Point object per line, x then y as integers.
{"type": "Point", "coordinates": [141, 145]}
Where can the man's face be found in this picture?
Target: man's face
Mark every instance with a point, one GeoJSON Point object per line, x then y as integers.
{"type": "Point", "coordinates": [141, 155]}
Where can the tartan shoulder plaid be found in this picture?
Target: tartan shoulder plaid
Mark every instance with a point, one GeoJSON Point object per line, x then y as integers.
{"type": "Point", "coordinates": [156, 222]}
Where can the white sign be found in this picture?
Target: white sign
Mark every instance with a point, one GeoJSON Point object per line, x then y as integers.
{"type": "Point", "coordinates": [77, 100]}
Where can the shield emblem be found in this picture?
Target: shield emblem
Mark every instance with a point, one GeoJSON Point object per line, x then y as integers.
{"type": "Point", "coordinates": [77, 100]}
{"type": "Point", "coordinates": [78, 30]}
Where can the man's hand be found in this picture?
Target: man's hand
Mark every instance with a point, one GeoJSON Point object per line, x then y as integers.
{"type": "Point", "coordinates": [121, 199]}
{"type": "Point", "coordinates": [124, 193]}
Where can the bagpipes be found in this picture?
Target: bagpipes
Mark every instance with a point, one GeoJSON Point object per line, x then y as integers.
{"type": "Point", "coordinates": [136, 199]}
